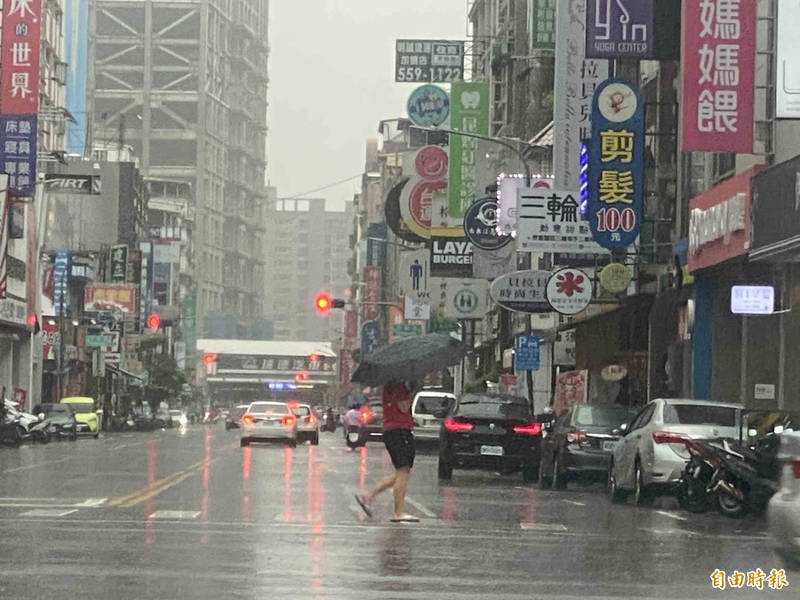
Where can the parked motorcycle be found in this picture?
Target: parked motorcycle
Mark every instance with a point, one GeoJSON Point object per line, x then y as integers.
{"type": "Point", "coordinates": [9, 432]}
{"type": "Point", "coordinates": [747, 478]}
{"type": "Point", "coordinates": [695, 493]}
{"type": "Point", "coordinates": [38, 432]}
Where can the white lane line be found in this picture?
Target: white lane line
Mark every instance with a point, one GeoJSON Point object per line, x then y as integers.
{"type": "Point", "coordinates": [36, 465]}
{"type": "Point", "coordinates": [48, 512]}
{"type": "Point", "coordinates": [91, 502]}
{"type": "Point", "coordinates": [420, 507]}
{"type": "Point", "coordinates": [120, 447]}
{"type": "Point", "coordinates": [542, 526]}
{"type": "Point", "coordinates": [575, 502]}
{"type": "Point", "coordinates": [175, 514]}
{"type": "Point", "coordinates": [672, 515]}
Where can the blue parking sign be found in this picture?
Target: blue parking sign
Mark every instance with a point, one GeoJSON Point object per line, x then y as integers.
{"type": "Point", "coordinates": [526, 353]}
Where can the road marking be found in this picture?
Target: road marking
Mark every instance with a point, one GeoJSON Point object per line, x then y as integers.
{"type": "Point", "coordinates": [161, 485]}
{"type": "Point", "coordinates": [36, 465]}
{"type": "Point", "coordinates": [575, 502]}
{"type": "Point", "coordinates": [420, 507]}
{"type": "Point", "coordinates": [542, 526]}
{"type": "Point", "coordinates": [48, 512]}
{"type": "Point", "coordinates": [672, 515]}
{"type": "Point", "coordinates": [175, 514]}
{"type": "Point", "coordinates": [91, 502]}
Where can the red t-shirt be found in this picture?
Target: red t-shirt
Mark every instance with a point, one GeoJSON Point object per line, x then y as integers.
{"type": "Point", "coordinates": [393, 416]}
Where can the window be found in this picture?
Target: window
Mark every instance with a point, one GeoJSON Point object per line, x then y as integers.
{"type": "Point", "coordinates": [699, 414]}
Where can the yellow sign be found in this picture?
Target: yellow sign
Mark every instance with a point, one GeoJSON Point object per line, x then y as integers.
{"type": "Point", "coordinates": [615, 278]}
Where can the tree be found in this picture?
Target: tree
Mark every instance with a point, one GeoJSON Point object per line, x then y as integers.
{"type": "Point", "coordinates": [165, 379]}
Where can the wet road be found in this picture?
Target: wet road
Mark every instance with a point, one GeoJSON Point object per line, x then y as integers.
{"type": "Point", "coordinates": [189, 514]}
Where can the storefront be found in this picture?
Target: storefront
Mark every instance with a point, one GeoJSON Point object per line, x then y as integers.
{"type": "Point", "coordinates": [719, 239]}
{"type": "Point", "coordinates": [772, 378]}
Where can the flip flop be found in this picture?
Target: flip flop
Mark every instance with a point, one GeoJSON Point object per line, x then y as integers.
{"type": "Point", "coordinates": [364, 506]}
{"type": "Point", "coordinates": [405, 519]}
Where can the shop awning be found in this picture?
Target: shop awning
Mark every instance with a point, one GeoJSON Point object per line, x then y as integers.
{"type": "Point", "coordinates": [115, 369]}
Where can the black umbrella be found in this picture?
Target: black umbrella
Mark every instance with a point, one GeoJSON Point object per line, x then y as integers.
{"type": "Point", "coordinates": [410, 359]}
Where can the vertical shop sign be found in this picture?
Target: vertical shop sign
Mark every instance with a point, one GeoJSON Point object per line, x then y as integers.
{"type": "Point", "coordinates": [370, 307]}
{"type": "Point", "coordinates": [616, 164]}
{"type": "Point", "coordinates": [469, 106]}
{"type": "Point", "coordinates": [576, 78]}
{"type": "Point", "coordinates": [119, 264]}
{"type": "Point", "coordinates": [719, 47]}
{"type": "Point", "coordinates": [542, 24]}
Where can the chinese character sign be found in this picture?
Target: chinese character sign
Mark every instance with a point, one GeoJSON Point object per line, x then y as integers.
{"type": "Point", "coordinates": [542, 27]}
{"type": "Point", "coordinates": [429, 60]}
{"type": "Point", "coordinates": [19, 79]}
{"type": "Point", "coordinates": [616, 164]}
{"type": "Point", "coordinates": [719, 45]}
{"type": "Point", "coordinates": [469, 112]}
{"type": "Point", "coordinates": [18, 153]}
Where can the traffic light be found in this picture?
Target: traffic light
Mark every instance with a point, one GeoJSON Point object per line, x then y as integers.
{"type": "Point", "coordinates": [301, 376]}
{"type": "Point", "coordinates": [154, 322]}
{"type": "Point", "coordinates": [324, 303]}
{"type": "Point", "coordinates": [209, 358]}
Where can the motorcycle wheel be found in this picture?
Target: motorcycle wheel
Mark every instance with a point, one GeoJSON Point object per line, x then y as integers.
{"type": "Point", "coordinates": [41, 436]}
{"type": "Point", "coordinates": [730, 506]}
{"type": "Point", "coordinates": [693, 499]}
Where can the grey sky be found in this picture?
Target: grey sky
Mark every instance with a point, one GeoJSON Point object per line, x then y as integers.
{"type": "Point", "coordinates": [332, 80]}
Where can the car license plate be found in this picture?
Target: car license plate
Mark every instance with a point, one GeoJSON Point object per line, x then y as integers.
{"type": "Point", "coordinates": [608, 445]}
{"type": "Point", "coordinates": [492, 450]}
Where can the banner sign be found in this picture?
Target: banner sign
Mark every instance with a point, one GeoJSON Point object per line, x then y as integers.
{"type": "Point", "coordinates": [429, 61]}
{"type": "Point", "coordinates": [371, 293]}
{"type": "Point", "coordinates": [576, 78]}
{"type": "Point", "coordinates": [480, 225]}
{"type": "Point", "coordinates": [526, 353]}
{"type": "Point", "coordinates": [18, 152]}
{"type": "Point", "coordinates": [73, 184]}
{"type": "Point", "coordinates": [550, 221]}
{"type": "Point", "coordinates": [469, 113]}
{"type": "Point", "coordinates": [119, 264]}
{"type": "Point", "coordinates": [616, 164]}
{"type": "Point", "coordinates": [451, 257]}
{"type": "Point", "coordinates": [719, 48]}
{"type": "Point", "coordinates": [105, 297]}
{"type": "Point", "coordinates": [428, 106]}
{"type": "Point", "coordinates": [466, 298]}
{"type": "Point", "coordinates": [572, 388]}
{"type": "Point", "coordinates": [787, 91]}
{"type": "Point", "coordinates": [370, 337]}
{"type": "Point", "coordinates": [19, 79]}
{"type": "Point", "coordinates": [522, 291]}
{"type": "Point", "coordinates": [619, 28]}
{"type": "Point", "coordinates": [427, 177]}
{"type": "Point", "coordinates": [569, 291]}
{"type": "Point", "coordinates": [542, 24]}
{"type": "Point", "coordinates": [61, 299]}
{"type": "Point", "coordinates": [4, 213]}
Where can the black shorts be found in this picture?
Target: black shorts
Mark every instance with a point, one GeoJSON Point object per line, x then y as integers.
{"type": "Point", "coordinates": [400, 444]}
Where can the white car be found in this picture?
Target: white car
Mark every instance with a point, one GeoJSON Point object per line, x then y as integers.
{"type": "Point", "coordinates": [783, 512]}
{"type": "Point", "coordinates": [426, 403]}
{"type": "Point", "coordinates": [651, 456]}
{"type": "Point", "coordinates": [268, 422]}
{"type": "Point", "coordinates": [307, 423]}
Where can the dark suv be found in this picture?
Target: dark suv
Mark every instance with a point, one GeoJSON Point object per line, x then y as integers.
{"type": "Point", "coordinates": [490, 431]}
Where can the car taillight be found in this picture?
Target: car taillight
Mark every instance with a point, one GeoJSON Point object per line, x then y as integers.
{"type": "Point", "coordinates": [287, 421]}
{"type": "Point", "coordinates": [576, 437]}
{"type": "Point", "coordinates": [668, 437]}
{"type": "Point", "coordinates": [457, 426]}
{"type": "Point", "coordinates": [248, 419]}
{"type": "Point", "coordinates": [531, 429]}
{"type": "Point", "coordinates": [796, 468]}
{"type": "Point", "coordinates": [366, 416]}
{"type": "Point", "coordinates": [311, 420]}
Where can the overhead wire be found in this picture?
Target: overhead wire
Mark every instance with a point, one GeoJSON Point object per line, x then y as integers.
{"type": "Point", "coordinates": [324, 187]}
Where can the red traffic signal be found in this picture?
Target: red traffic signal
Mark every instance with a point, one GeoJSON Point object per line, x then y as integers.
{"type": "Point", "coordinates": [313, 357]}
{"type": "Point", "coordinates": [154, 322]}
{"type": "Point", "coordinates": [301, 376]}
{"type": "Point", "coordinates": [323, 304]}
{"type": "Point", "coordinates": [209, 358]}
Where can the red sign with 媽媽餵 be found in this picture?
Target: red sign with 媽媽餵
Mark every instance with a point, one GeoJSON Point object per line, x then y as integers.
{"type": "Point", "coordinates": [718, 61]}
{"type": "Point", "coordinates": [719, 221]}
{"type": "Point", "coordinates": [19, 78]}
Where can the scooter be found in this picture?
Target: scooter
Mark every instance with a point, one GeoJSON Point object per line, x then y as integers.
{"type": "Point", "coordinates": [355, 436]}
{"type": "Point", "coordinates": [695, 493]}
{"type": "Point", "coordinates": [744, 481]}
{"type": "Point", "coordinates": [9, 432]}
{"type": "Point", "coordinates": [38, 432]}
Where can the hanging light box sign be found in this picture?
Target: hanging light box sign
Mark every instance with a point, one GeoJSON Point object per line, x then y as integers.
{"type": "Point", "coordinates": [615, 203]}
{"type": "Point", "coordinates": [752, 299]}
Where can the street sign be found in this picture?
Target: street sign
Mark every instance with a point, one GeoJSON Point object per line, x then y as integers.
{"type": "Point", "coordinates": [522, 291]}
{"type": "Point", "coordinates": [429, 61]}
{"type": "Point", "coordinates": [406, 329]}
{"type": "Point", "coordinates": [466, 298]}
{"type": "Point", "coordinates": [752, 299]}
{"type": "Point", "coordinates": [480, 225]}
{"type": "Point", "coordinates": [416, 309]}
{"type": "Point", "coordinates": [526, 353]}
{"type": "Point", "coordinates": [569, 291]}
{"type": "Point", "coordinates": [97, 341]}
{"type": "Point", "coordinates": [428, 106]}
{"type": "Point", "coordinates": [413, 274]}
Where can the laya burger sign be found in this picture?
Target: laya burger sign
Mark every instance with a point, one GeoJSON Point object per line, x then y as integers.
{"type": "Point", "coordinates": [451, 257]}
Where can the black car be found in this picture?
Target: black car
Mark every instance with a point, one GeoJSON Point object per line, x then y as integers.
{"type": "Point", "coordinates": [578, 445]}
{"type": "Point", "coordinates": [490, 431]}
{"type": "Point", "coordinates": [232, 421]}
{"type": "Point", "coordinates": [143, 418]}
{"type": "Point", "coordinates": [62, 421]}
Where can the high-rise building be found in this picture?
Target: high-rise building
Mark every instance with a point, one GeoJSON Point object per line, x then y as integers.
{"type": "Point", "coordinates": [308, 245]}
{"type": "Point", "coordinates": [185, 84]}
